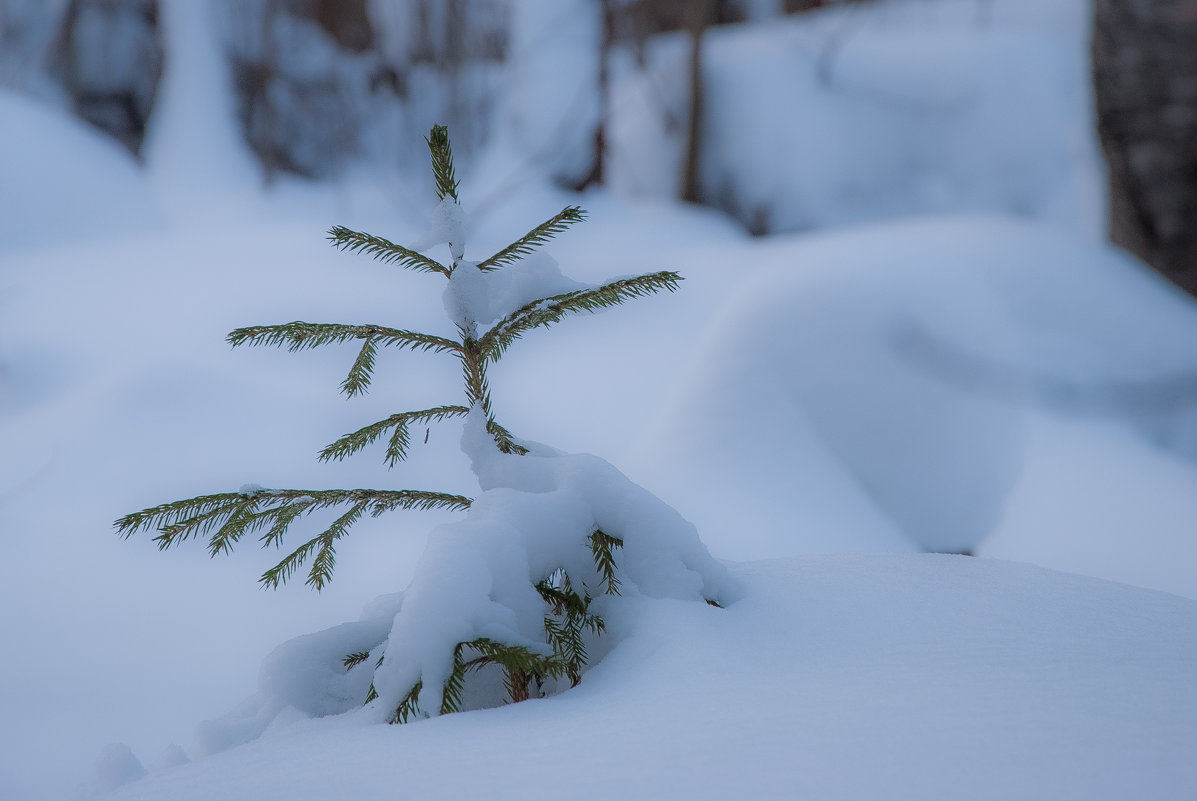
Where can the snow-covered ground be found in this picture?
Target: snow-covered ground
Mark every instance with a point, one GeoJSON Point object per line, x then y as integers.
{"type": "Point", "coordinates": [829, 403]}
{"type": "Point", "coordinates": [836, 677]}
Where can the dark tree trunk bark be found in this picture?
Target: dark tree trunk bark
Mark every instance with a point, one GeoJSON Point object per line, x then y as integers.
{"type": "Point", "coordinates": [109, 59]}
{"type": "Point", "coordinates": [702, 13]}
{"type": "Point", "coordinates": [1145, 80]}
{"type": "Point", "coordinates": [597, 172]}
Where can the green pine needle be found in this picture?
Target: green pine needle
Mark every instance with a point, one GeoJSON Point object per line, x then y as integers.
{"type": "Point", "coordinates": [397, 448]}
{"type": "Point", "coordinates": [284, 516]}
{"type": "Point", "coordinates": [516, 657]}
{"type": "Point", "coordinates": [234, 514]}
{"type": "Point", "coordinates": [362, 370]}
{"type": "Point", "coordinates": [299, 335]}
{"type": "Point", "coordinates": [602, 547]}
{"type": "Point", "coordinates": [383, 250]}
{"type": "Point", "coordinates": [557, 592]}
{"type": "Point", "coordinates": [569, 616]}
{"type": "Point", "coordinates": [244, 519]}
{"type": "Point", "coordinates": [442, 162]}
{"type": "Point", "coordinates": [546, 311]}
{"type": "Point", "coordinates": [324, 545]}
{"type": "Point", "coordinates": [504, 438]}
{"type": "Point", "coordinates": [454, 685]}
{"type": "Point", "coordinates": [354, 659]}
{"type": "Point", "coordinates": [535, 238]}
{"type": "Point", "coordinates": [409, 707]}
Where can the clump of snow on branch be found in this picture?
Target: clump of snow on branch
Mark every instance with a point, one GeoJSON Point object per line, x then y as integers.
{"type": "Point", "coordinates": [477, 578]}
{"type": "Point", "coordinates": [476, 297]}
{"type": "Point", "coordinates": [450, 225]}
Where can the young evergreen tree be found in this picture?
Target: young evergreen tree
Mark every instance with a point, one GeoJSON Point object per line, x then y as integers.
{"type": "Point", "coordinates": [566, 587]}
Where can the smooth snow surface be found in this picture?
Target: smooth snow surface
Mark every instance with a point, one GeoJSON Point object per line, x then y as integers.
{"type": "Point", "coordinates": [842, 677]}
{"type": "Point", "coordinates": [886, 376]}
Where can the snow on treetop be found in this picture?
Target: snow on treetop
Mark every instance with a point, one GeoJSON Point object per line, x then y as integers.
{"type": "Point", "coordinates": [476, 298]}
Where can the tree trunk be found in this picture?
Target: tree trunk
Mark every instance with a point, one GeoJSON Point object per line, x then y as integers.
{"type": "Point", "coordinates": [109, 59]}
{"type": "Point", "coordinates": [702, 13]}
{"type": "Point", "coordinates": [597, 172]}
{"type": "Point", "coordinates": [1145, 80]}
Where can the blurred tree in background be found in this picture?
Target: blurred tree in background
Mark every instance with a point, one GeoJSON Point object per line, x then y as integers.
{"type": "Point", "coordinates": [1145, 77]}
{"type": "Point", "coordinates": [108, 57]}
{"type": "Point", "coordinates": [320, 84]}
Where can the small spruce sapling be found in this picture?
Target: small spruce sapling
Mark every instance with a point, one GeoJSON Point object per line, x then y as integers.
{"type": "Point", "coordinates": [569, 614]}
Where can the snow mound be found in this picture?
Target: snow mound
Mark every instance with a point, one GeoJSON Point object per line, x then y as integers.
{"type": "Point", "coordinates": [1095, 499]}
{"type": "Point", "coordinates": [116, 765]}
{"type": "Point", "coordinates": [880, 382]}
{"type": "Point", "coordinates": [537, 511]}
{"type": "Point", "coordinates": [303, 677]}
{"type": "Point", "coordinates": [843, 677]}
{"type": "Point", "coordinates": [478, 578]}
{"type": "Point", "coordinates": [63, 182]}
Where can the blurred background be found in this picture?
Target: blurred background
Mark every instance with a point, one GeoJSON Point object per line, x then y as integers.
{"type": "Point", "coordinates": [684, 99]}
{"type": "Point", "coordinates": [938, 260]}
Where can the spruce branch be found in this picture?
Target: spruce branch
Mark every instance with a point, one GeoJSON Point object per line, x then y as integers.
{"type": "Point", "coordinates": [320, 573]}
{"type": "Point", "coordinates": [558, 594]}
{"type": "Point", "coordinates": [442, 162]}
{"type": "Point", "coordinates": [243, 519]}
{"type": "Point", "coordinates": [400, 439]}
{"type": "Point", "coordinates": [284, 516]}
{"type": "Point", "coordinates": [383, 250]}
{"type": "Point", "coordinates": [234, 514]}
{"type": "Point", "coordinates": [354, 659]}
{"type": "Point", "coordinates": [455, 684]}
{"type": "Point", "coordinates": [299, 335]}
{"type": "Point", "coordinates": [570, 615]}
{"type": "Point", "coordinates": [198, 521]}
{"type": "Point", "coordinates": [518, 661]}
{"type": "Point", "coordinates": [362, 370]}
{"type": "Point", "coordinates": [535, 238]}
{"type": "Point", "coordinates": [602, 548]}
{"type": "Point", "coordinates": [546, 311]}
{"type": "Point", "coordinates": [409, 707]}
{"type": "Point", "coordinates": [566, 638]}
{"type": "Point", "coordinates": [504, 438]}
